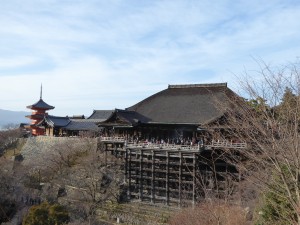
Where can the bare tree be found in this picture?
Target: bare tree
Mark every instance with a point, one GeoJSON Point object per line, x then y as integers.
{"type": "Point", "coordinates": [268, 120]}
{"type": "Point", "coordinates": [9, 138]}
{"type": "Point", "coordinates": [81, 177]}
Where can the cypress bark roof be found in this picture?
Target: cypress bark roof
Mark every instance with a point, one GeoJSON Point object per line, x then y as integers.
{"type": "Point", "coordinates": [185, 104]}
{"type": "Point", "coordinates": [40, 105]}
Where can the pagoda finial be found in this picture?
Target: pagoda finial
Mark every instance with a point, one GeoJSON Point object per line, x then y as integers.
{"type": "Point", "coordinates": [41, 94]}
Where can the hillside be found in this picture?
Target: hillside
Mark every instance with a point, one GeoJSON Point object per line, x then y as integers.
{"type": "Point", "coordinates": [12, 117]}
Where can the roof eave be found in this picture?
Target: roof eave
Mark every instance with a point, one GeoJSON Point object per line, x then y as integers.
{"type": "Point", "coordinates": [173, 123]}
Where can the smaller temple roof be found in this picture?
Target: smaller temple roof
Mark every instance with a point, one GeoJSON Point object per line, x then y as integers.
{"type": "Point", "coordinates": [100, 115]}
{"type": "Point", "coordinates": [82, 125]}
{"type": "Point", "coordinates": [124, 117]}
{"type": "Point", "coordinates": [40, 105]}
{"type": "Point", "coordinates": [55, 121]}
{"type": "Point", "coordinates": [76, 117]}
{"type": "Point", "coordinates": [68, 123]}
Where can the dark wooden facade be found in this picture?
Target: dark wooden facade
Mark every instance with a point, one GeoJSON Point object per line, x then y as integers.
{"type": "Point", "coordinates": [173, 145]}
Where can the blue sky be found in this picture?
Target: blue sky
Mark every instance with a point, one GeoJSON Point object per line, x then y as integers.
{"type": "Point", "coordinates": [99, 54]}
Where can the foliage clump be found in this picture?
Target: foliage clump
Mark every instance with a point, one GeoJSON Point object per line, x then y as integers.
{"type": "Point", "coordinates": [46, 214]}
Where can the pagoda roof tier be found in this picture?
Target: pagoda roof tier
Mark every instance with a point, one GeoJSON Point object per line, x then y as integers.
{"type": "Point", "coordinates": [40, 105]}
{"type": "Point", "coordinates": [35, 116]}
{"type": "Point", "coordinates": [34, 126]}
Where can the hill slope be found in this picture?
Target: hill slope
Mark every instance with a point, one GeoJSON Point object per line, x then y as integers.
{"type": "Point", "coordinates": [12, 117]}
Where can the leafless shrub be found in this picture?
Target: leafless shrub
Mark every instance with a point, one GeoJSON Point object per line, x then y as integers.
{"type": "Point", "coordinates": [268, 120]}
{"type": "Point", "coordinates": [210, 213]}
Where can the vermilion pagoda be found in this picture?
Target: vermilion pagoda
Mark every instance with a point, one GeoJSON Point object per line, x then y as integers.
{"type": "Point", "coordinates": [39, 110]}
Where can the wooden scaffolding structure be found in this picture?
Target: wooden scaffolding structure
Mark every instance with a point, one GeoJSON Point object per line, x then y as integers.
{"type": "Point", "coordinates": [168, 174]}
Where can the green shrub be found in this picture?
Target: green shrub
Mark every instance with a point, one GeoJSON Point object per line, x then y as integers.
{"type": "Point", "coordinates": [46, 214]}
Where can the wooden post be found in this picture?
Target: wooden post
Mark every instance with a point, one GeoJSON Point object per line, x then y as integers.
{"type": "Point", "coordinates": [129, 175]}
{"type": "Point", "coordinates": [141, 175]}
{"type": "Point", "coordinates": [126, 165]}
{"type": "Point", "coordinates": [194, 179]}
{"type": "Point", "coordinates": [115, 149]}
{"type": "Point", "coordinates": [167, 177]}
{"type": "Point", "coordinates": [105, 154]}
{"type": "Point", "coordinates": [153, 178]}
{"type": "Point", "coordinates": [179, 178]}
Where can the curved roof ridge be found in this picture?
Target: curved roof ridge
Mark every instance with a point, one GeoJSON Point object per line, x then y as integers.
{"type": "Point", "coordinates": [197, 85]}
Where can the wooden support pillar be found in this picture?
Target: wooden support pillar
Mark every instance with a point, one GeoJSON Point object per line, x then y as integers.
{"type": "Point", "coordinates": [167, 177]}
{"type": "Point", "coordinates": [129, 174]}
{"type": "Point", "coordinates": [126, 165]}
{"type": "Point", "coordinates": [179, 179]}
{"type": "Point", "coordinates": [115, 149]}
{"type": "Point", "coordinates": [141, 175]}
{"type": "Point", "coordinates": [194, 179]}
{"type": "Point", "coordinates": [105, 154]}
{"type": "Point", "coordinates": [153, 178]}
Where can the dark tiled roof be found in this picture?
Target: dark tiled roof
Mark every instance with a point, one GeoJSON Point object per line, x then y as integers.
{"type": "Point", "coordinates": [40, 105]}
{"type": "Point", "coordinates": [100, 115]}
{"type": "Point", "coordinates": [77, 117]}
{"type": "Point", "coordinates": [69, 124]}
{"type": "Point", "coordinates": [82, 124]}
{"type": "Point", "coordinates": [185, 104]}
{"type": "Point", "coordinates": [55, 121]}
{"type": "Point", "coordinates": [125, 117]}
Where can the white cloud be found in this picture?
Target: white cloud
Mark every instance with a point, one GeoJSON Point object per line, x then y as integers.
{"type": "Point", "coordinates": [107, 54]}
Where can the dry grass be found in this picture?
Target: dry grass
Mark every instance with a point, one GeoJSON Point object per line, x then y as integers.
{"type": "Point", "coordinates": [210, 213]}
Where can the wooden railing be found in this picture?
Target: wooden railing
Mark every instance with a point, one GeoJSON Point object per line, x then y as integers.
{"type": "Point", "coordinates": [228, 144]}
{"type": "Point", "coordinates": [163, 146]}
{"type": "Point", "coordinates": [113, 139]}
{"type": "Point", "coordinates": [214, 144]}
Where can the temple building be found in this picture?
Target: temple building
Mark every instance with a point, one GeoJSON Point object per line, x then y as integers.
{"type": "Point", "coordinates": [74, 126]}
{"type": "Point", "coordinates": [39, 111]}
{"type": "Point", "coordinates": [174, 144]}
{"type": "Point", "coordinates": [180, 113]}
{"type": "Point", "coordinates": [62, 126]}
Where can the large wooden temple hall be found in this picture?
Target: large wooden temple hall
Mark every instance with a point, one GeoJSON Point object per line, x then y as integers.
{"type": "Point", "coordinates": [170, 142]}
